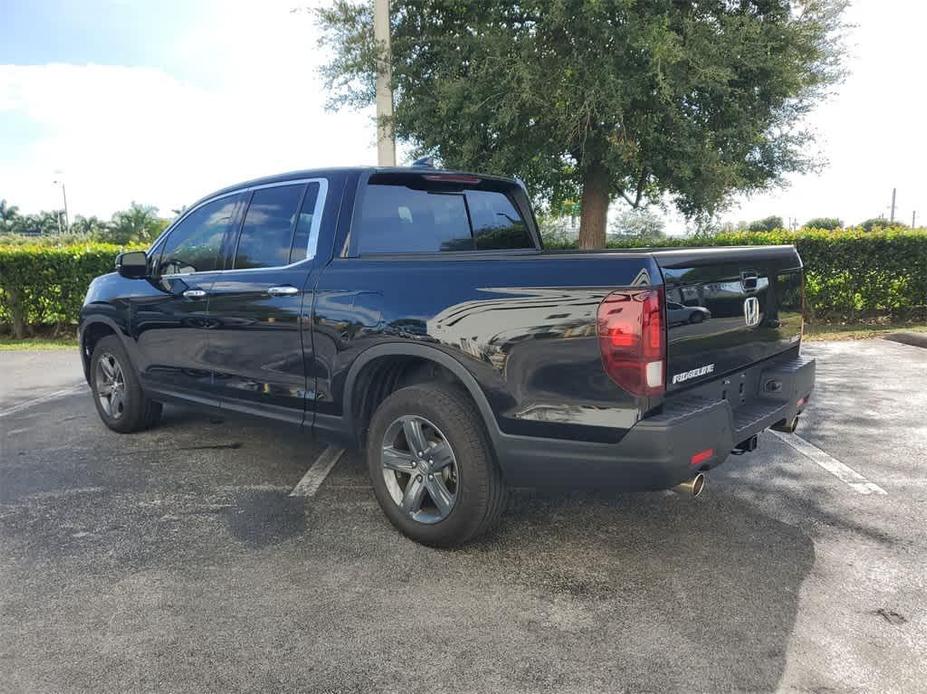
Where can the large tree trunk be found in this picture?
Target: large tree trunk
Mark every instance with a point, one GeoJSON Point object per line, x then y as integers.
{"type": "Point", "coordinates": [594, 207]}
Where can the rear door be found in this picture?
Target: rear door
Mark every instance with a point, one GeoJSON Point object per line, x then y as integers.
{"type": "Point", "coordinates": [728, 308]}
{"type": "Point", "coordinates": [256, 348]}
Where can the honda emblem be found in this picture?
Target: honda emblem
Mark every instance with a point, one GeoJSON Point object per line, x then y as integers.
{"type": "Point", "coordinates": [752, 311]}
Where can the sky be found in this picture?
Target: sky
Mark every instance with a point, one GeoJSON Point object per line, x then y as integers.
{"type": "Point", "coordinates": [160, 102]}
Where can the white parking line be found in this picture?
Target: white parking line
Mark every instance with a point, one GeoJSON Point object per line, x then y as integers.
{"type": "Point", "coordinates": [316, 474]}
{"type": "Point", "coordinates": [842, 472]}
{"type": "Point", "coordinates": [38, 400]}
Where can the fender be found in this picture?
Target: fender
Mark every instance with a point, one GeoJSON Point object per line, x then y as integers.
{"type": "Point", "coordinates": [88, 321]}
{"type": "Point", "coordinates": [407, 349]}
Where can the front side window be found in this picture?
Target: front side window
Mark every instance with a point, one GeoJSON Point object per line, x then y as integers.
{"type": "Point", "coordinates": [422, 217]}
{"type": "Point", "coordinates": [267, 232]}
{"type": "Point", "coordinates": [195, 244]}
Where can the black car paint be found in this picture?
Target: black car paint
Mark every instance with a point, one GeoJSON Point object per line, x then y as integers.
{"type": "Point", "coordinates": [517, 328]}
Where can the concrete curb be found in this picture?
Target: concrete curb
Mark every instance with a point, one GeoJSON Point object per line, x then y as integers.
{"type": "Point", "coordinates": [906, 338]}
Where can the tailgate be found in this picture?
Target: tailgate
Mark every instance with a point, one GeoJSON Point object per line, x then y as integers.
{"type": "Point", "coordinates": [727, 308]}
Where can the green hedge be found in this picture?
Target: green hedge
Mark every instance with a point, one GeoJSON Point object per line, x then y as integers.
{"type": "Point", "coordinates": [851, 274]}
{"type": "Point", "coordinates": [42, 285]}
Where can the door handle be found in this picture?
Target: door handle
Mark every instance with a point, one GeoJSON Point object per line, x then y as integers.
{"type": "Point", "coordinates": [194, 293]}
{"type": "Point", "coordinates": [284, 290]}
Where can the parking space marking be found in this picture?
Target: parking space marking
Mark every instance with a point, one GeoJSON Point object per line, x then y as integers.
{"type": "Point", "coordinates": [38, 400]}
{"type": "Point", "coordinates": [842, 472]}
{"type": "Point", "coordinates": [317, 473]}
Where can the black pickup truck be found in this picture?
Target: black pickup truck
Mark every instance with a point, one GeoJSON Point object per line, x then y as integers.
{"type": "Point", "coordinates": [415, 312]}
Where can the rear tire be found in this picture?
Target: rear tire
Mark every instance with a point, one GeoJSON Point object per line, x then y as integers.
{"type": "Point", "coordinates": [117, 394]}
{"type": "Point", "coordinates": [452, 493]}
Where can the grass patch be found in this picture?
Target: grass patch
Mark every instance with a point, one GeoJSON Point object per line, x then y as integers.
{"type": "Point", "coordinates": [37, 344]}
{"type": "Point", "coordinates": [856, 331]}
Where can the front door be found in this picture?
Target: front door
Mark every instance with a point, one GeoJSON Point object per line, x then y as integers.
{"type": "Point", "coordinates": [169, 320]}
{"type": "Point", "coordinates": [256, 348]}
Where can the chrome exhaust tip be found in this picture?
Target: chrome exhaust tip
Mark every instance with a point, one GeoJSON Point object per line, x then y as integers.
{"type": "Point", "coordinates": [692, 487]}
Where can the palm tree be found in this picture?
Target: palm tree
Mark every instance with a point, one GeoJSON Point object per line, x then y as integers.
{"type": "Point", "coordinates": [8, 214]}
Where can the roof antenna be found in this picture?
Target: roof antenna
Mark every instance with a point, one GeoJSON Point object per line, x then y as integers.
{"type": "Point", "coordinates": [424, 163]}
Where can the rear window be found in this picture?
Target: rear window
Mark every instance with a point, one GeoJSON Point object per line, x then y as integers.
{"type": "Point", "coordinates": [396, 218]}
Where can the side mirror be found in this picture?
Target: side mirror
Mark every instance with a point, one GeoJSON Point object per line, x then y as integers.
{"type": "Point", "coordinates": [132, 264]}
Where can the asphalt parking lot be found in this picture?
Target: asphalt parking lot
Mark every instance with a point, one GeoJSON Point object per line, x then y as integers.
{"type": "Point", "coordinates": [177, 559]}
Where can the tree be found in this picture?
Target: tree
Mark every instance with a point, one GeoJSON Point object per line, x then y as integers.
{"type": "Point", "coordinates": [880, 223]}
{"type": "Point", "coordinates": [639, 224]}
{"type": "Point", "coordinates": [766, 224]}
{"type": "Point", "coordinates": [600, 99]}
{"type": "Point", "coordinates": [829, 223]}
{"type": "Point", "coordinates": [139, 223]}
{"type": "Point", "coordinates": [8, 216]}
{"type": "Point", "coordinates": [88, 226]}
{"type": "Point", "coordinates": [44, 223]}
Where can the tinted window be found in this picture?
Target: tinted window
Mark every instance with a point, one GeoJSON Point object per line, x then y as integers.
{"type": "Point", "coordinates": [402, 219]}
{"type": "Point", "coordinates": [267, 232]}
{"type": "Point", "coordinates": [496, 221]}
{"type": "Point", "coordinates": [398, 219]}
{"type": "Point", "coordinates": [306, 237]}
{"type": "Point", "coordinates": [195, 244]}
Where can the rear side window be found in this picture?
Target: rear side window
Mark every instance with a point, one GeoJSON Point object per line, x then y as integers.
{"type": "Point", "coordinates": [403, 219]}
{"type": "Point", "coordinates": [306, 237]}
{"type": "Point", "coordinates": [267, 233]}
{"type": "Point", "coordinates": [195, 244]}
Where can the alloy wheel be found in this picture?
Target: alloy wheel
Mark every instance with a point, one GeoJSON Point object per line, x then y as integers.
{"type": "Point", "coordinates": [420, 469]}
{"type": "Point", "coordinates": [110, 385]}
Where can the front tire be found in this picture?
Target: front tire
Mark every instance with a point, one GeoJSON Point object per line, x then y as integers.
{"type": "Point", "coordinates": [119, 399]}
{"type": "Point", "coordinates": [431, 466]}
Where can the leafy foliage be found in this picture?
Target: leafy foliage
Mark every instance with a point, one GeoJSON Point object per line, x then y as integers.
{"type": "Point", "coordinates": [849, 273]}
{"type": "Point", "coordinates": [880, 223]}
{"type": "Point", "coordinates": [138, 224]}
{"type": "Point", "coordinates": [45, 285]}
{"type": "Point", "coordinates": [829, 223]}
{"type": "Point", "coordinates": [644, 225]}
{"type": "Point", "coordinates": [602, 99]}
{"type": "Point", "coordinates": [766, 224]}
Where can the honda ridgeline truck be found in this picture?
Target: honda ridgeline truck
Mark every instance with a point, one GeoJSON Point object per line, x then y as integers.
{"type": "Point", "coordinates": [414, 313]}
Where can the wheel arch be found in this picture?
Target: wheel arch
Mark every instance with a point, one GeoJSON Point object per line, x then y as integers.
{"type": "Point", "coordinates": [92, 332]}
{"type": "Point", "coordinates": [370, 362]}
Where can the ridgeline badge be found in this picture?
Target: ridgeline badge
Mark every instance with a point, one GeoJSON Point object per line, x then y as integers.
{"type": "Point", "coordinates": [694, 373]}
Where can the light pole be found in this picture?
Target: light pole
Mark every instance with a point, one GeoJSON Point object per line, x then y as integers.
{"type": "Point", "coordinates": [386, 143]}
{"type": "Point", "coordinates": [64, 196]}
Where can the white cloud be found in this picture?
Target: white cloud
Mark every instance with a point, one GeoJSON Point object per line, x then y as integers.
{"type": "Point", "coordinates": [871, 132]}
{"type": "Point", "coordinates": [133, 133]}
{"type": "Point", "coordinates": [237, 95]}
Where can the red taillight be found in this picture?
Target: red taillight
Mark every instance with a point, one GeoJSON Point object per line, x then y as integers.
{"type": "Point", "coordinates": [632, 341]}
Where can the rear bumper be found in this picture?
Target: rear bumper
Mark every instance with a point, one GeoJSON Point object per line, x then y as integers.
{"type": "Point", "coordinates": [656, 453]}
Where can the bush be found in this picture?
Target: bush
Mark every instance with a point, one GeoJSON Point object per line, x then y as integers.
{"type": "Point", "coordinates": [44, 285]}
{"type": "Point", "coordinates": [850, 274]}
{"type": "Point", "coordinates": [880, 223]}
{"type": "Point", "coordinates": [828, 223]}
{"type": "Point", "coordinates": [765, 224]}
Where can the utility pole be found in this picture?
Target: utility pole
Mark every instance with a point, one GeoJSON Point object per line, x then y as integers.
{"type": "Point", "coordinates": [913, 219]}
{"type": "Point", "coordinates": [891, 219]}
{"type": "Point", "coordinates": [386, 143]}
{"type": "Point", "coordinates": [64, 196]}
